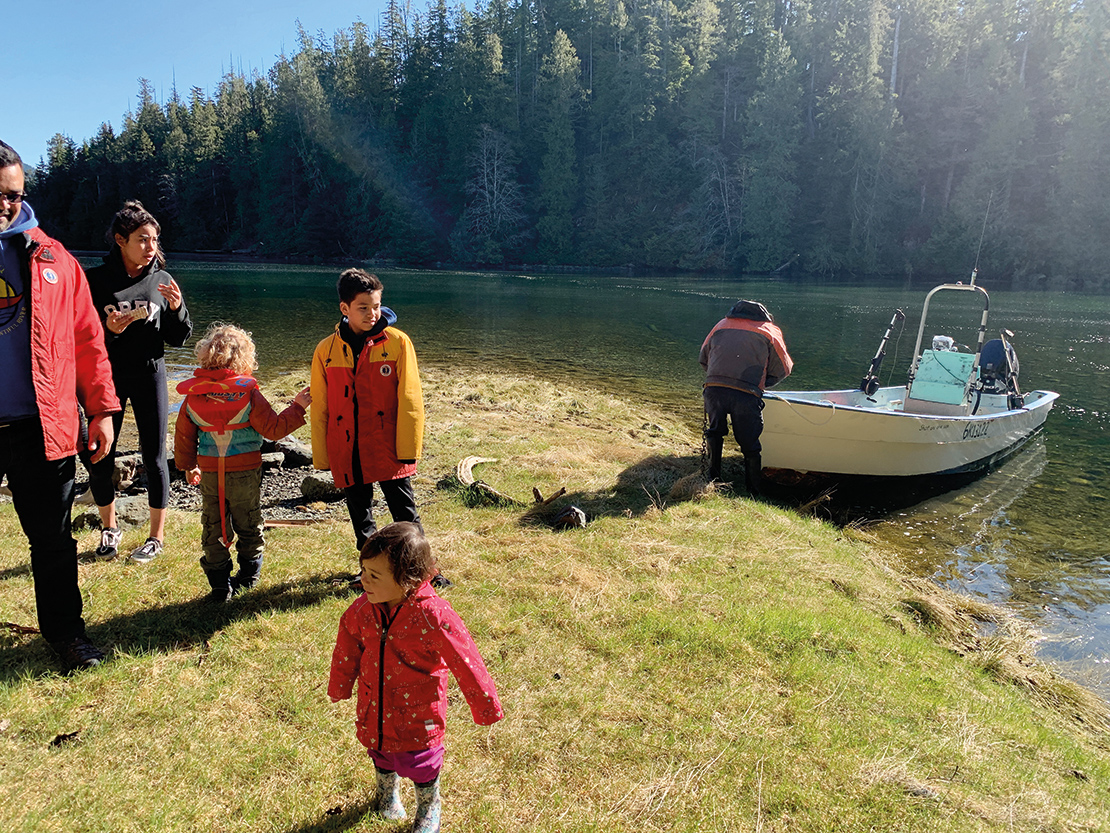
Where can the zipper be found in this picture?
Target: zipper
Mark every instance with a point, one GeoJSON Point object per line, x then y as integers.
{"type": "Point", "coordinates": [387, 620]}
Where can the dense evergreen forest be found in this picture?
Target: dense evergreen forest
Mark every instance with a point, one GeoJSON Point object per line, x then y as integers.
{"type": "Point", "coordinates": [832, 136]}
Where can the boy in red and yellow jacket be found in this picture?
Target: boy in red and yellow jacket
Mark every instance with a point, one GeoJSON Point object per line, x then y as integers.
{"type": "Point", "coordinates": [367, 405]}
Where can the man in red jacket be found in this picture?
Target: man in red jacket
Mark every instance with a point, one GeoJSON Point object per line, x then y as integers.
{"type": "Point", "coordinates": [742, 356]}
{"type": "Point", "coordinates": [52, 357]}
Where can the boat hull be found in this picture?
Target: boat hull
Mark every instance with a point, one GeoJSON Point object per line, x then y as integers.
{"type": "Point", "coordinates": [844, 432]}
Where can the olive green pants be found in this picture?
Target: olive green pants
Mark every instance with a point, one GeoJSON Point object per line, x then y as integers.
{"type": "Point", "coordinates": [242, 506]}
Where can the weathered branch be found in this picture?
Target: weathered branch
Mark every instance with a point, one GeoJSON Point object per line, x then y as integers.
{"type": "Point", "coordinates": [540, 499]}
{"type": "Point", "coordinates": [464, 470]}
{"type": "Point", "coordinates": [479, 490]}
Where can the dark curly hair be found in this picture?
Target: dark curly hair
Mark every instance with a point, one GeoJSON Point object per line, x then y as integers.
{"type": "Point", "coordinates": [410, 557]}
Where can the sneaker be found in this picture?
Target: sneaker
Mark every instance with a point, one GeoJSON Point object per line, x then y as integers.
{"type": "Point", "coordinates": [147, 552]}
{"type": "Point", "coordinates": [78, 654]}
{"type": "Point", "coordinates": [109, 543]}
{"type": "Point", "coordinates": [441, 582]}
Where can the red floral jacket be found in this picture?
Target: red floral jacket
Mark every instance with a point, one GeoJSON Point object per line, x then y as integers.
{"type": "Point", "coordinates": [400, 660]}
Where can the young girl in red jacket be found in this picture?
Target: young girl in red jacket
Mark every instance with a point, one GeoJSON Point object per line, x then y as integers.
{"type": "Point", "coordinates": [398, 640]}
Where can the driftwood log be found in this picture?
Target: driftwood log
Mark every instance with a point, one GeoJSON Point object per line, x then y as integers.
{"type": "Point", "coordinates": [465, 469]}
{"type": "Point", "coordinates": [479, 490]}
{"type": "Point", "coordinates": [292, 522]}
{"type": "Point", "coordinates": [540, 501]}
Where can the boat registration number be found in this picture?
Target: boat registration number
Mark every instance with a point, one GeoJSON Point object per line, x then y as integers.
{"type": "Point", "coordinates": [976, 430]}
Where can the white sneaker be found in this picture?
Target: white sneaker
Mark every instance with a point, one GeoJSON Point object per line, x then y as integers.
{"type": "Point", "coordinates": [109, 543]}
{"type": "Point", "coordinates": [147, 552]}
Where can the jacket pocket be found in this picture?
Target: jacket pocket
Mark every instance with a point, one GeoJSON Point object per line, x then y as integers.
{"type": "Point", "coordinates": [419, 707]}
{"type": "Point", "coordinates": [365, 701]}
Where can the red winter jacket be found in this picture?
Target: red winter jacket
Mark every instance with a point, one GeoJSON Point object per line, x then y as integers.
{"type": "Point", "coordinates": [67, 346]}
{"type": "Point", "coordinates": [401, 668]}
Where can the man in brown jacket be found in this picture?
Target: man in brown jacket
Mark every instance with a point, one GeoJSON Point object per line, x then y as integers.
{"type": "Point", "coordinates": [743, 354]}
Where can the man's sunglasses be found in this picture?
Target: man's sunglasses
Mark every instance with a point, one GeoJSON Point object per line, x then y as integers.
{"type": "Point", "coordinates": [12, 196]}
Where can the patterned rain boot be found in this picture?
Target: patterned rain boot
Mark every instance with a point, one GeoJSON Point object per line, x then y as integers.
{"type": "Point", "coordinates": [427, 808]}
{"type": "Point", "coordinates": [387, 801]}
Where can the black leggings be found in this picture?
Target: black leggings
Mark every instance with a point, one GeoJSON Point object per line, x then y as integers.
{"type": "Point", "coordinates": [146, 389]}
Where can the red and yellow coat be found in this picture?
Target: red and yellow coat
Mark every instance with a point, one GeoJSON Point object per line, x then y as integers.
{"type": "Point", "coordinates": [376, 411]}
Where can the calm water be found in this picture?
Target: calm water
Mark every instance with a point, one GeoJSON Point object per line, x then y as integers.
{"type": "Point", "coordinates": [1032, 535]}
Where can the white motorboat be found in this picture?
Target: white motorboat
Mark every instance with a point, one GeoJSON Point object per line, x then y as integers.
{"type": "Point", "coordinates": [959, 412]}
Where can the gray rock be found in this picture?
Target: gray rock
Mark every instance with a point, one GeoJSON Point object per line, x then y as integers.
{"type": "Point", "coordinates": [272, 460]}
{"type": "Point", "coordinates": [131, 511]}
{"type": "Point", "coordinates": [128, 471]}
{"type": "Point", "coordinates": [570, 518]}
{"type": "Point", "coordinates": [297, 454]}
{"type": "Point", "coordinates": [319, 486]}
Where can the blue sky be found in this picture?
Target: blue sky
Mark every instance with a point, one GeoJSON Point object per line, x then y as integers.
{"type": "Point", "coordinates": [72, 64]}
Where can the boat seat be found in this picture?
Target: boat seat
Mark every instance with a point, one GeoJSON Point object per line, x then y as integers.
{"type": "Point", "coordinates": [941, 383]}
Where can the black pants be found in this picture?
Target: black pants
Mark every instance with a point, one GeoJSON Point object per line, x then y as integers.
{"type": "Point", "coordinates": [744, 409]}
{"type": "Point", "coordinates": [42, 491]}
{"type": "Point", "coordinates": [398, 495]}
{"type": "Point", "coordinates": [146, 389]}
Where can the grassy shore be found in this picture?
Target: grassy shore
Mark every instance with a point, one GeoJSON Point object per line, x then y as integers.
{"type": "Point", "coordinates": [691, 661]}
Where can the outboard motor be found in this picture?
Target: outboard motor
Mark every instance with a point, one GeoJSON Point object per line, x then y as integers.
{"type": "Point", "coordinates": [998, 370]}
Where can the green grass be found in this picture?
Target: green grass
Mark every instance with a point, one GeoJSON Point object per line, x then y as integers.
{"type": "Point", "coordinates": [695, 662]}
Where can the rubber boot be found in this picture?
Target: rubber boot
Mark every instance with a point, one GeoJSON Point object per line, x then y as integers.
{"type": "Point", "coordinates": [753, 474]}
{"type": "Point", "coordinates": [428, 808]}
{"type": "Point", "coordinates": [220, 579]}
{"type": "Point", "coordinates": [247, 577]}
{"type": "Point", "coordinates": [715, 447]}
{"type": "Point", "coordinates": [387, 801]}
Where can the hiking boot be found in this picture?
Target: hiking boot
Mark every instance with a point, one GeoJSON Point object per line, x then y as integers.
{"type": "Point", "coordinates": [147, 552]}
{"type": "Point", "coordinates": [109, 543]}
{"type": "Point", "coordinates": [78, 654]}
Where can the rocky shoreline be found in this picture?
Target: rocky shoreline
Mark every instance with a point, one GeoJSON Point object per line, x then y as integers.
{"type": "Point", "coordinates": [291, 489]}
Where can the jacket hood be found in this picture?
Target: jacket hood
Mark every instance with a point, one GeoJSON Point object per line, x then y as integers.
{"type": "Point", "coordinates": [356, 340]}
{"type": "Point", "coordinates": [751, 310]}
{"type": "Point", "coordinates": [25, 221]}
